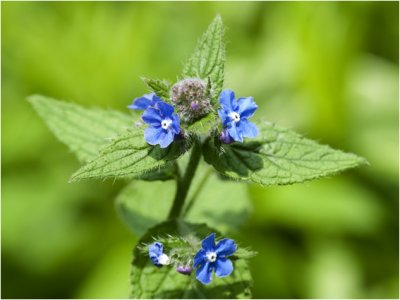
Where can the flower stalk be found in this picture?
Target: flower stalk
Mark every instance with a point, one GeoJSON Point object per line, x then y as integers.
{"type": "Point", "coordinates": [183, 183]}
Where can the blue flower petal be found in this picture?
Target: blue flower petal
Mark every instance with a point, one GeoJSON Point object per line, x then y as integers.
{"type": "Point", "coordinates": [224, 117]}
{"type": "Point", "coordinates": [152, 116]}
{"type": "Point", "coordinates": [144, 102]}
{"type": "Point", "coordinates": [235, 132]}
{"type": "Point", "coordinates": [248, 128]}
{"type": "Point", "coordinates": [175, 125]}
{"type": "Point", "coordinates": [208, 243]}
{"type": "Point", "coordinates": [223, 267]}
{"type": "Point", "coordinates": [199, 258]}
{"type": "Point", "coordinates": [152, 134]}
{"type": "Point", "coordinates": [165, 138]}
{"type": "Point", "coordinates": [225, 247]}
{"type": "Point", "coordinates": [155, 250]}
{"type": "Point", "coordinates": [140, 104]}
{"type": "Point", "coordinates": [227, 100]}
{"type": "Point", "coordinates": [165, 109]}
{"type": "Point", "coordinates": [247, 107]}
{"type": "Point", "coordinates": [204, 273]}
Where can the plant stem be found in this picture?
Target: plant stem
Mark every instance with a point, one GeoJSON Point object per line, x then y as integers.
{"type": "Point", "coordinates": [203, 181]}
{"type": "Point", "coordinates": [184, 182]}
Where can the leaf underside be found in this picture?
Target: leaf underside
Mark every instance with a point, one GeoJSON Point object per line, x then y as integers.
{"type": "Point", "coordinates": [277, 157]}
{"type": "Point", "coordinates": [148, 281]}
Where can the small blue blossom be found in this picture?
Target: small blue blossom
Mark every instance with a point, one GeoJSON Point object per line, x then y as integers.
{"type": "Point", "coordinates": [164, 124]}
{"type": "Point", "coordinates": [157, 255]}
{"type": "Point", "coordinates": [147, 100]}
{"type": "Point", "coordinates": [234, 115]}
{"type": "Point", "coordinates": [214, 257]}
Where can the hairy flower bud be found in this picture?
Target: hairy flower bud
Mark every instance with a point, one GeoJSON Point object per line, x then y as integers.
{"type": "Point", "coordinates": [190, 98]}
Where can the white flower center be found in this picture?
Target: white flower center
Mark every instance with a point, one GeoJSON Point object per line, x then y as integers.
{"type": "Point", "coordinates": [211, 256]}
{"type": "Point", "coordinates": [166, 123]}
{"type": "Point", "coordinates": [235, 117]}
{"type": "Point", "coordinates": [163, 259]}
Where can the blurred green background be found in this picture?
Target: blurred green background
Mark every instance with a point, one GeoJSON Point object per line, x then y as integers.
{"type": "Point", "coordinates": [329, 70]}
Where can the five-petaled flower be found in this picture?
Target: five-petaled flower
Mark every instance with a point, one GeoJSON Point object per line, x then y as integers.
{"type": "Point", "coordinates": [234, 115]}
{"type": "Point", "coordinates": [142, 103]}
{"type": "Point", "coordinates": [157, 255]}
{"type": "Point", "coordinates": [214, 257]}
{"type": "Point", "coordinates": [164, 124]}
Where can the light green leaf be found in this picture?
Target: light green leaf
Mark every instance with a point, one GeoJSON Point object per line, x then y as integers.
{"type": "Point", "coordinates": [278, 156]}
{"type": "Point", "coordinates": [130, 156]}
{"type": "Point", "coordinates": [149, 281]}
{"type": "Point", "coordinates": [160, 87]}
{"type": "Point", "coordinates": [83, 130]}
{"type": "Point", "coordinates": [220, 203]}
{"type": "Point", "coordinates": [208, 59]}
{"type": "Point", "coordinates": [205, 125]}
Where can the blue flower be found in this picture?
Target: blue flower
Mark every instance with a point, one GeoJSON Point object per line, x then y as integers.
{"type": "Point", "coordinates": [147, 100]}
{"type": "Point", "coordinates": [235, 113]}
{"type": "Point", "coordinates": [156, 254]}
{"type": "Point", "coordinates": [214, 257]}
{"type": "Point", "coordinates": [164, 124]}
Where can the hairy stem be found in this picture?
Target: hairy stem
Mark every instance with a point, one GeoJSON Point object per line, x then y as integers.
{"type": "Point", "coordinates": [183, 184]}
{"type": "Point", "coordinates": [203, 181]}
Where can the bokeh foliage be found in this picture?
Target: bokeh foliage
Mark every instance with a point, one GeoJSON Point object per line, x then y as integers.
{"type": "Point", "coordinates": [329, 70]}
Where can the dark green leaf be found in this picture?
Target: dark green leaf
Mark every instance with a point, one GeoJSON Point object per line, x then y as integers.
{"type": "Point", "coordinates": [130, 156]}
{"type": "Point", "coordinates": [277, 156]}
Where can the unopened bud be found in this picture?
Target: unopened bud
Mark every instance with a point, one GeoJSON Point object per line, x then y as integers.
{"type": "Point", "coordinates": [191, 99]}
{"type": "Point", "coordinates": [185, 270]}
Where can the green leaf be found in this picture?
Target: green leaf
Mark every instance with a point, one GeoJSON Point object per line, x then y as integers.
{"type": "Point", "coordinates": [278, 156]}
{"type": "Point", "coordinates": [130, 156]}
{"type": "Point", "coordinates": [160, 87]}
{"type": "Point", "coordinates": [83, 130]}
{"type": "Point", "coordinates": [148, 281]}
{"type": "Point", "coordinates": [143, 204]}
{"type": "Point", "coordinates": [208, 59]}
{"type": "Point", "coordinates": [205, 125]}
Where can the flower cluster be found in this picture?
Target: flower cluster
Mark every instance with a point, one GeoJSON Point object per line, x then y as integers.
{"type": "Point", "coordinates": [192, 102]}
{"type": "Point", "coordinates": [210, 257]}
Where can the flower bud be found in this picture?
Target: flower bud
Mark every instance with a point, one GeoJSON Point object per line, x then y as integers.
{"type": "Point", "coordinates": [225, 137]}
{"type": "Point", "coordinates": [185, 270]}
{"type": "Point", "coordinates": [190, 98]}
